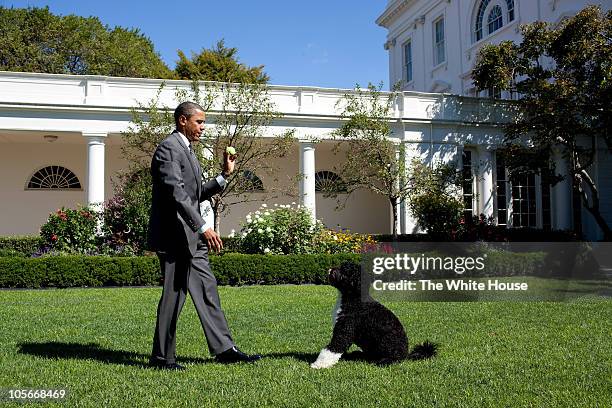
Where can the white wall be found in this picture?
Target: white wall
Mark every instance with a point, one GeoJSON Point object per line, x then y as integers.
{"type": "Point", "coordinates": [415, 22]}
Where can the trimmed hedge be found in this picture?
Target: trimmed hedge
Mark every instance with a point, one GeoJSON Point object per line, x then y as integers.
{"type": "Point", "coordinates": [76, 270]}
{"type": "Point", "coordinates": [230, 269]}
{"type": "Point", "coordinates": [241, 269]}
{"type": "Point", "coordinates": [25, 245]}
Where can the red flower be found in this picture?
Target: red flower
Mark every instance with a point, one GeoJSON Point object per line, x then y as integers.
{"type": "Point", "coordinates": [53, 237]}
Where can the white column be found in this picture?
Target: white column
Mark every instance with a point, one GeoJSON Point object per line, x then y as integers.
{"type": "Point", "coordinates": [400, 205]}
{"type": "Point", "coordinates": [307, 181]}
{"type": "Point", "coordinates": [561, 194]}
{"type": "Point", "coordinates": [95, 167]}
{"type": "Point", "coordinates": [485, 182]}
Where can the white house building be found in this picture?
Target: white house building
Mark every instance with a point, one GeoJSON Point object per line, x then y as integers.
{"type": "Point", "coordinates": [60, 138]}
{"type": "Point", "coordinates": [433, 44]}
{"type": "Point", "coordinates": [60, 135]}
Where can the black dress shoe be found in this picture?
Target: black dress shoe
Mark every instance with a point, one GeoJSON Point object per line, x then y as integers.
{"type": "Point", "coordinates": [234, 355]}
{"type": "Point", "coordinates": [166, 366]}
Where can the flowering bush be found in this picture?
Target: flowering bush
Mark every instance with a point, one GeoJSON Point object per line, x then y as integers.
{"type": "Point", "coordinates": [283, 229]}
{"type": "Point", "coordinates": [126, 216]}
{"type": "Point", "coordinates": [331, 242]}
{"type": "Point", "coordinates": [73, 231]}
{"type": "Point", "coordinates": [289, 229]}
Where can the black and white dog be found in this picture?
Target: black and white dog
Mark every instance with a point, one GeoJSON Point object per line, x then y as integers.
{"type": "Point", "coordinates": [367, 323]}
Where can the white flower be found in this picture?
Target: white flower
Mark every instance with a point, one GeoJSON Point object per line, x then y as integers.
{"type": "Point", "coordinates": [259, 230]}
{"type": "Point", "coordinates": [276, 205]}
{"type": "Point", "coordinates": [335, 237]}
{"type": "Point", "coordinates": [257, 212]}
{"type": "Point", "coordinates": [244, 234]}
{"type": "Point", "coordinates": [267, 213]}
{"type": "Point", "coordinates": [232, 234]}
{"type": "Point", "coordinates": [268, 229]}
{"type": "Point", "coordinates": [266, 250]}
{"type": "Point", "coordinates": [264, 205]}
{"type": "Point", "coordinates": [293, 203]}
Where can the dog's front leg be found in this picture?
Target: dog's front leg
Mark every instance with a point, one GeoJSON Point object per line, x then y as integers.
{"type": "Point", "coordinates": [326, 359]}
{"type": "Point", "coordinates": [341, 340]}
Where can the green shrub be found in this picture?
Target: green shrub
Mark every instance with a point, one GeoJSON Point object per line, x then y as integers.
{"type": "Point", "coordinates": [71, 231]}
{"type": "Point", "coordinates": [435, 200]}
{"type": "Point", "coordinates": [437, 213]}
{"type": "Point", "coordinates": [229, 268]}
{"type": "Point", "coordinates": [239, 269]}
{"type": "Point", "coordinates": [24, 245]}
{"type": "Point", "coordinates": [283, 229]}
{"type": "Point", "coordinates": [78, 270]}
{"type": "Point", "coordinates": [126, 214]}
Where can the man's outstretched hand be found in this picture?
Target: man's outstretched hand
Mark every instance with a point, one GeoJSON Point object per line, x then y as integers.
{"type": "Point", "coordinates": [213, 240]}
{"type": "Point", "coordinates": [229, 162]}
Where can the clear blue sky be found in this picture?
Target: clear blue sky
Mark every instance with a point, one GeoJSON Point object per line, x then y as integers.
{"type": "Point", "coordinates": [332, 43]}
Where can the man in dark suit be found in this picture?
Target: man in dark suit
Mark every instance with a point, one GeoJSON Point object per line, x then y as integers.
{"type": "Point", "coordinates": [181, 238]}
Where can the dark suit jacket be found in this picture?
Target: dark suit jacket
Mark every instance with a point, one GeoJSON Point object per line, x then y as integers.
{"type": "Point", "coordinates": [177, 192]}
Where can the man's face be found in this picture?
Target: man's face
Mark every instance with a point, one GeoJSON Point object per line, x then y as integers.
{"type": "Point", "coordinates": [193, 127]}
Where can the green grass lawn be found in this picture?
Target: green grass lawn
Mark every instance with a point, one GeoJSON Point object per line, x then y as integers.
{"type": "Point", "coordinates": [96, 342]}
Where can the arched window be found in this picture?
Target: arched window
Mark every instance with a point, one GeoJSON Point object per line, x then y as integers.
{"type": "Point", "coordinates": [251, 182]}
{"type": "Point", "coordinates": [329, 182]}
{"type": "Point", "coordinates": [494, 10]}
{"type": "Point", "coordinates": [495, 20]}
{"type": "Point", "coordinates": [54, 178]}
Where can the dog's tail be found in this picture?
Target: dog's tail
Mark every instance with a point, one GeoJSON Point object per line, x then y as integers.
{"type": "Point", "coordinates": [423, 351]}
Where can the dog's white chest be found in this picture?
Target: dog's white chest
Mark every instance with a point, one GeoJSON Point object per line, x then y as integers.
{"type": "Point", "coordinates": [337, 309]}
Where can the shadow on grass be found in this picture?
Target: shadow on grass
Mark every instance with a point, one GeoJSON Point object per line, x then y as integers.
{"type": "Point", "coordinates": [93, 351]}
{"type": "Point", "coordinates": [311, 357]}
{"type": "Point", "coordinates": [305, 357]}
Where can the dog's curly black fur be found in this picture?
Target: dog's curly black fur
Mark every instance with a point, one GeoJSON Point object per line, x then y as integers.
{"type": "Point", "coordinates": [368, 324]}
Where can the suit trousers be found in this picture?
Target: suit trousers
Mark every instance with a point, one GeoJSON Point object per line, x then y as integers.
{"type": "Point", "coordinates": [184, 274]}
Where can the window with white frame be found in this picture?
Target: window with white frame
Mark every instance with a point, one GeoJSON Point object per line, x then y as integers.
{"type": "Point", "coordinates": [490, 16]}
{"type": "Point", "coordinates": [439, 43]}
{"type": "Point", "coordinates": [467, 181]}
{"type": "Point", "coordinates": [495, 20]}
{"type": "Point", "coordinates": [408, 61]}
{"type": "Point", "coordinates": [54, 178]}
{"type": "Point", "coordinates": [523, 201]}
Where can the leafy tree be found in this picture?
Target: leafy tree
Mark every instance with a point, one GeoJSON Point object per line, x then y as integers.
{"type": "Point", "coordinates": [219, 64]}
{"type": "Point", "coordinates": [564, 76]}
{"type": "Point", "coordinates": [35, 40]}
{"type": "Point", "coordinates": [240, 114]}
{"type": "Point", "coordinates": [371, 159]}
{"type": "Point", "coordinates": [241, 118]}
{"type": "Point", "coordinates": [435, 199]}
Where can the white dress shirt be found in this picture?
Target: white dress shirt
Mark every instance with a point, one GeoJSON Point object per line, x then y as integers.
{"type": "Point", "coordinates": [220, 180]}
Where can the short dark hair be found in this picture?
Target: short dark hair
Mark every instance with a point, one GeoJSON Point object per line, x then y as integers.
{"type": "Point", "coordinates": [187, 109]}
